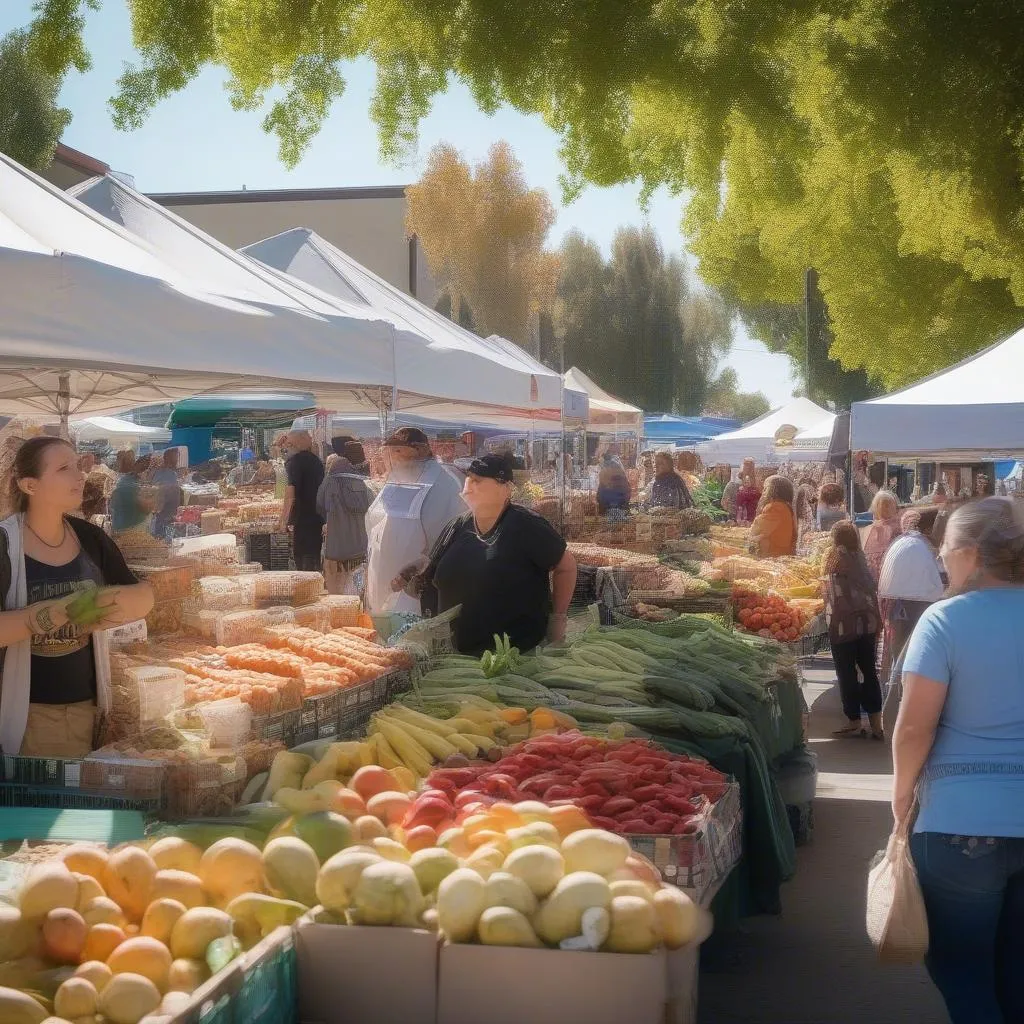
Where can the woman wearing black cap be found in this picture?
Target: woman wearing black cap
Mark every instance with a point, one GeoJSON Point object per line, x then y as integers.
{"type": "Point", "coordinates": [505, 565]}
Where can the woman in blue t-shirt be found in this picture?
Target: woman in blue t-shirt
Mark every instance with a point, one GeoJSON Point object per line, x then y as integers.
{"type": "Point", "coordinates": [959, 742]}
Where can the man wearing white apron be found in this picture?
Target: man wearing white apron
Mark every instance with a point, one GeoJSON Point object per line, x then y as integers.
{"type": "Point", "coordinates": [418, 500]}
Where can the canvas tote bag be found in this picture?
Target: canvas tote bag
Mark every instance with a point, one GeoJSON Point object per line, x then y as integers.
{"type": "Point", "coordinates": [896, 919]}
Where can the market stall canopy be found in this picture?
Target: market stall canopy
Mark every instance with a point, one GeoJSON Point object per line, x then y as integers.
{"type": "Point", "coordinates": [973, 411]}
{"type": "Point", "coordinates": [92, 320]}
{"type": "Point", "coordinates": [605, 410]}
{"type": "Point", "coordinates": [683, 430]}
{"type": "Point", "coordinates": [811, 444]}
{"type": "Point", "coordinates": [756, 440]}
{"type": "Point", "coordinates": [117, 431]}
{"type": "Point", "coordinates": [442, 370]}
{"type": "Point", "coordinates": [249, 409]}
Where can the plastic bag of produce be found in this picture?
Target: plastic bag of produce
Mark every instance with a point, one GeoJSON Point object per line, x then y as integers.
{"type": "Point", "coordinates": [897, 923]}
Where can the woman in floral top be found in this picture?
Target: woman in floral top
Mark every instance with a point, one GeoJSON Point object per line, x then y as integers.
{"type": "Point", "coordinates": [851, 610]}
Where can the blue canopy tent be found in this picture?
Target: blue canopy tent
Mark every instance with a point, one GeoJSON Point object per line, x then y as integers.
{"type": "Point", "coordinates": [681, 430]}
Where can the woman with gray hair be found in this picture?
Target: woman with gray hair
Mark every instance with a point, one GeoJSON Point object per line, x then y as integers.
{"type": "Point", "coordinates": [958, 753]}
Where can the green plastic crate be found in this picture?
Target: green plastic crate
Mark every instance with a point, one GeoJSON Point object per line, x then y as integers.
{"type": "Point", "coordinates": [267, 994]}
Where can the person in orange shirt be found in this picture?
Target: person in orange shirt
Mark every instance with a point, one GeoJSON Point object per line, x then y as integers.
{"type": "Point", "coordinates": [773, 532]}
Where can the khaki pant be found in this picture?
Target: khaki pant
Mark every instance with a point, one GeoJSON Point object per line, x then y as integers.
{"type": "Point", "coordinates": [59, 730]}
{"type": "Point", "coordinates": [337, 573]}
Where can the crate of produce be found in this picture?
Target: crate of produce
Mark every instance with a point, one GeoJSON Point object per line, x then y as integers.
{"type": "Point", "coordinates": [202, 787]}
{"type": "Point", "coordinates": [398, 682]}
{"type": "Point", "coordinates": [268, 984]}
{"type": "Point", "coordinates": [586, 585]}
{"type": "Point", "coordinates": [358, 703]}
{"type": "Point", "coordinates": [281, 725]}
{"type": "Point", "coordinates": [699, 861]}
{"type": "Point", "coordinates": [169, 582]}
{"type": "Point", "coordinates": [272, 550]}
{"type": "Point", "coordinates": [93, 783]}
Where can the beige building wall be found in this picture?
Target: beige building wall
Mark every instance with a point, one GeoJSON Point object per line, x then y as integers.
{"type": "Point", "coordinates": [366, 223]}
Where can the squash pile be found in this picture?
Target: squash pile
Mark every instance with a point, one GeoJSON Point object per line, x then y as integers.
{"type": "Point", "coordinates": [521, 874]}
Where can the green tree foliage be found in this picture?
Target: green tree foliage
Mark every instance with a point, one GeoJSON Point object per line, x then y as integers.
{"type": "Point", "coordinates": [725, 399]}
{"type": "Point", "coordinates": [31, 122]}
{"type": "Point", "coordinates": [641, 327]}
{"type": "Point", "coordinates": [880, 141]}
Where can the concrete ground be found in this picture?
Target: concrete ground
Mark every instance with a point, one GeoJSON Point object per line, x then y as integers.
{"type": "Point", "coordinates": [813, 964]}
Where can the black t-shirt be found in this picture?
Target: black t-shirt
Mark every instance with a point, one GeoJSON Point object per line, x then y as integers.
{"type": "Point", "coordinates": [499, 578]}
{"type": "Point", "coordinates": [63, 667]}
{"type": "Point", "coordinates": [305, 474]}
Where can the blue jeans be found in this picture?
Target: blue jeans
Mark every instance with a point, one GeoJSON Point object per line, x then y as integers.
{"type": "Point", "coordinates": [974, 893]}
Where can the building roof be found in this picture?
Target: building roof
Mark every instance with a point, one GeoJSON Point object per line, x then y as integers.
{"type": "Point", "coordinates": [278, 195]}
{"type": "Point", "coordinates": [79, 161]}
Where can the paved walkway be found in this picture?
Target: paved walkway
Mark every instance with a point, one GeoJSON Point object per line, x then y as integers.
{"type": "Point", "coordinates": [813, 964]}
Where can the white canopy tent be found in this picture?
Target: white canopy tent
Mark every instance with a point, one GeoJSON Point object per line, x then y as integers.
{"type": "Point", "coordinates": [92, 320]}
{"type": "Point", "coordinates": [811, 444]}
{"type": "Point", "coordinates": [117, 431]}
{"type": "Point", "coordinates": [756, 440]}
{"type": "Point", "coordinates": [972, 412]}
{"type": "Point", "coordinates": [443, 371]}
{"type": "Point", "coordinates": [607, 413]}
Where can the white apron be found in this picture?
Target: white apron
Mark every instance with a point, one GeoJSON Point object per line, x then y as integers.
{"type": "Point", "coordinates": [395, 539]}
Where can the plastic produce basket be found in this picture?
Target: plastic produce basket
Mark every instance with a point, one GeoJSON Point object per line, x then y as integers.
{"type": "Point", "coordinates": [700, 861]}
{"type": "Point", "coordinates": [267, 994]}
{"type": "Point", "coordinates": [359, 703]}
{"type": "Point", "coordinates": [586, 585]}
{"type": "Point", "coordinates": [81, 784]}
{"type": "Point", "coordinates": [271, 550]}
{"type": "Point", "coordinates": [282, 725]}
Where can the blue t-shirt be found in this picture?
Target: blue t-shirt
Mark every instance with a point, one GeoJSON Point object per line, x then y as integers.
{"type": "Point", "coordinates": [973, 780]}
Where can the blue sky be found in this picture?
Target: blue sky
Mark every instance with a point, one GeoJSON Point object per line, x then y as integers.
{"type": "Point", "coordinates": [196, 142]}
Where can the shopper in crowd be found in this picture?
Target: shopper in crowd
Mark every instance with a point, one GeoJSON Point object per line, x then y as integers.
{"type": "Point", "coordinates": [864, 488]}
{"type": "Point", "coordinates": [129, 507]}
{"type": "Point", "coordinates": [908, 583]}
{"type": "Point", "coordinates": [613, 489]}
{"type": "Point", "coordinates": [958, 748]}
{"type": "Point", "coordinates": [851, 610]}
{"type": "Point", "coordinates": [343, 501]}
{"type": "Point", "coordinates": [168, 493]}
{"type": "Point", "coordinates": [299, 514]}
{"type": "Point", "coordinates": [506, 566]}
{"type": "Point", "coordinates": [418, 500]}
{"type": "Point", "coordinates": [884, 529]}
{"type": "Point", "coordinates": [55, 673]}
{"type": "Point", "coordinates": [729, 493]}
{"type": "Point", "coordinates": [747, 499]}
{"type": "Point", "coordinates": [830, 508]}
{"type": "Point", "coordinates": [668, 489]}
{"type": "Point", "coordinates": [773, 532]}
{"type": "Point", "coordinates": [804, 506]}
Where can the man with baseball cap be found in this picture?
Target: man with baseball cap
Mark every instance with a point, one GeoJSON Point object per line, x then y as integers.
{"type": "Point", "coordinates": [403, 524]}
{"type": "Point", "coordinates": [505, 565]}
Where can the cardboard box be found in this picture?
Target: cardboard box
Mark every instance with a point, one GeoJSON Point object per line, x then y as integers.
{"type": "Point", "coordinates": [503, 985]}
{"type": "Point", "coordinates": [343, 972]}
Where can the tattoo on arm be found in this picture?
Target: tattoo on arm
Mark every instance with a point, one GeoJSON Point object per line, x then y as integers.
{"type": "Point", "coordinates": [42, 621]}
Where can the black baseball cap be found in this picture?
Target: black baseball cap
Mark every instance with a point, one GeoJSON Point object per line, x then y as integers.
{"type": "Point", "coordinates": [339, 441]}
{"type": "Point", "coordinates": [494, 467]}
{"type": "Point", "coordinates": [406, 437]}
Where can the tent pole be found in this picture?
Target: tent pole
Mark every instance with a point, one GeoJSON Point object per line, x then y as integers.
{"type": "Point", "coordinates": [64, 404]}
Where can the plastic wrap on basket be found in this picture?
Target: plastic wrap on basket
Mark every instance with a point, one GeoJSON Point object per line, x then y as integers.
{"type": "Point", "coordinates": [169, 582]}
{"type": "Point", "coordinates": [344, 609]}
{"type": "Point", "coordinates": [227, 722]}
{"type": "Point", "coordinates": [227, 629]}
{"type": "Point", "coordinates": [313, 616]}
{"type": "Point", "coordinates": [290, 588]}
{"type": "Point", "coordinates": [223, 593]}
{"type": "Point", "coordinates": [216, 555]}
{"type": "Point", "coordinates": [142, 696]}
{"type": "Point", "coordinates": [165, 617]}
